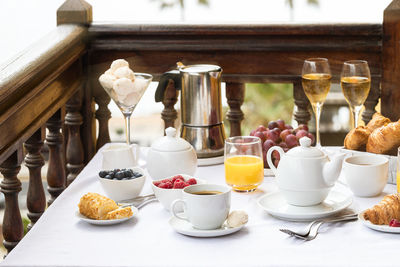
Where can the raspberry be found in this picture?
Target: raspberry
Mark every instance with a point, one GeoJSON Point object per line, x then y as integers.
{"type": "Point", "coordinates": [185, 184]}
{"type": "Point", "coordinates": [177, 177]}
{"type": "Point", "coordinates": [169, 184]}
{"type": "Point", "coordinates": [163, 185]}
{"type": "Point", "coordinates": [165, 180]}
{"type": "Point", "coordinates": [191, 181]}
{"type": "Point", "coordinates": [179, 184]}
{"type": "Point", "coordinates": [394, 223]}
{"type": "Point", "coordinates": [157, 183]}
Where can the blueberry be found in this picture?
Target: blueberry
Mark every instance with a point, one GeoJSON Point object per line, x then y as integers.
{"type": "Point", "coordinates": [111, 174]}
{"type": "Point", "coordinates": [125, 178]}
{"type": "Point", "coordinates": [103, 174]}
{"type": "Point", "coordinates": [120, 175]}
{"type": "Point", "coordinates": [137, 174]}
{"type": "Point", "coordinates": [107, 177]}
{"type": "Point", "coordinates": [115, 179]}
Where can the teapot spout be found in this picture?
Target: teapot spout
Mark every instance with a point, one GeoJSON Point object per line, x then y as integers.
{"type": "Point", "coordinates": [331, 170]}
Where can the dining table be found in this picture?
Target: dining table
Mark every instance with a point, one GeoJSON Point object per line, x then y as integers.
{"type": "Point", "coordinates": [61, 238]}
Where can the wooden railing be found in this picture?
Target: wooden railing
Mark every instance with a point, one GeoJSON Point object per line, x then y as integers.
{"type": "Point", "coordinates": [54, 84]}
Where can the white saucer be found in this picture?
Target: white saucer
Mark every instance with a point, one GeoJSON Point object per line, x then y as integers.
{"type": "Point", "coordinates": [381, 228]}
{"type": "Point", "coordinates": [276, 205]}
{"type": "Point", "coordinates": [107, 222]}
{"type": "Point", "coordinates": [210, 161]}
{"type": "Point", "coordinates": [185, 228]}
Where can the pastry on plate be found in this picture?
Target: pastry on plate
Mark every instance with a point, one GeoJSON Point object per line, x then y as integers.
{"type": "Point", "coordinates": [384, 211]}
{"type": "Point", "coordinates": [357, 138]}
{"type": "Point", "coordinates": [385, 139]}
{"type": "Point", "coordinates": [378, 120]}
{"type": "Point", "coordinates": [96, 206]}
{"type": "Point", "coordinates": [119, 213]}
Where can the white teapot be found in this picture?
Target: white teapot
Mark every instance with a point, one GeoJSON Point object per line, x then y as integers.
{"type": "Point", "coordinates": [171, 155]}
{"type": "Point", "coordinates": [305, 174]}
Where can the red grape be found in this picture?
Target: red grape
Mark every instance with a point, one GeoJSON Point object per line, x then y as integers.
{"type": "Point", "coordinates": [277, 130]}
{"type": "Point", "coordinates": [260, 135]}
{"type": "Point", "coordinates": [311, 136]}
{"type": "Point", "coordinates": [283, 145]}
{"type": "Point", "coordinates": [281, 124]}
{"type": "Point", "coordinates": [261, 128]}
{"type": "Point", "coordinates": [303, 127]}
{"type": "Point", "coordinates": [268, 144]}
{"type": "Point", "coordinates": [276, 155]}
{"type": "Point", "coordinates": [291, 141]}
{"type": "Point", "coordinates": [289, 127]}
{"type": "Point", "coordinates": [301, 133]}
{"type": "Point", "coordinates": [285, 133]}
{"type": "Point", "coordinates": [272, 125]}
{"type": "Point", "coordinates": [252, 132]}
{"type": "Point", "coordinates": [274, 136]}
{"type": "Point", "coordinates": [265, 133]}
{"type": "Point", "coordinates": [276, 163]}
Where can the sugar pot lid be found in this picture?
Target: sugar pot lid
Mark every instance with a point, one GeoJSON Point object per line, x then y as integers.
{"type": "Point", "coordinates": [170, 142]}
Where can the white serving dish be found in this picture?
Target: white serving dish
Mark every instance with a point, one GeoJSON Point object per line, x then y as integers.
{"type": "Point", "coordinates": [167, 196]}
{"type": "Point", "coordinates": [123, 189]}
{"type": "Point", "coordinates": [107, 222]}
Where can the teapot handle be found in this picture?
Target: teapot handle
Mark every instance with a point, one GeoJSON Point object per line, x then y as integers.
{"type": "Point", "coordinates": [163, 83]}
{"type": "Point", "coordinates": [269, 157]}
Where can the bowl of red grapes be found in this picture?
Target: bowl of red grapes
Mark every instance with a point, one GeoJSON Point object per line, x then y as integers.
{"type": "Point", "coordinates": [277, 133]}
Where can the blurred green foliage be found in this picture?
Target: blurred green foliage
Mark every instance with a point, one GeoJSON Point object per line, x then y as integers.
{"type": "Point", "coordinates": [264, 103]}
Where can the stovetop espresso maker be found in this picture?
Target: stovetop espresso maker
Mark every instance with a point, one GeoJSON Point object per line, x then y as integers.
{"type": "Point", "coordinates": [201, 106]}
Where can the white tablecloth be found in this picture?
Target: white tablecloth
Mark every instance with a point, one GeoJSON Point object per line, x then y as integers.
{"type": "Point", "coordinates": [59, 238]}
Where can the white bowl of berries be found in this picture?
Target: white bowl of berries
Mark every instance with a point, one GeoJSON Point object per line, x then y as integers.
{"type": "Point", "coordinates": [121, 184]}
{"type": "Point", "coordinates": [170, 188]}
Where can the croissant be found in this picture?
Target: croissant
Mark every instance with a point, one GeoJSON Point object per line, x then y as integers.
{"type": "Point", "coordinates": [377, 121]}
{"type": "Point", "coordinates": [385, 139]}
{"type": "Point", "coordinates": [96, 206]}
{"type": "Point", "coordinates": [384, 211]}
{"type": "Point", "coordinates": [119, 213]}
{"type": "Point", "coordinates": [357, 138]}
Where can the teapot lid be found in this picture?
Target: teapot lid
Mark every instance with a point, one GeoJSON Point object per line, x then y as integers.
{"type": "Point", "coordinates": [305, 150]}
{"type": "Point", "coordinates": [170, 142]}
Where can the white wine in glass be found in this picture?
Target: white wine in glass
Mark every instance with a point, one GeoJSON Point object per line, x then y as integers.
{"type": "Point", "coordinates": [356, 83]}
{"type": "Point", "coordinates": [316, 80]}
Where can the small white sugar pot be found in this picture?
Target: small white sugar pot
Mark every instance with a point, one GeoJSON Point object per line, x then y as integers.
{"type": "Point", "coordinates": [171, 155]}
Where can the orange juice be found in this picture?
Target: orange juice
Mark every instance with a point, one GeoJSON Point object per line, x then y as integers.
{"type": "Point", "coordinates": [398, 181]}
{"type": "Point", "coordinates": [244, 173]}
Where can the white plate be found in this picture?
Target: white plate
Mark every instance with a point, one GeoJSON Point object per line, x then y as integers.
{"type": "Point", "coordinates": [106, 222]}
{"type": "Point", "coordinates": [210, 161]}
{"type": "Point", "coordinates": [276, 205]}
{"type": "Point", "coordinates": [381, 228]}
{"type": "Point", "coordinates": [185, 228]}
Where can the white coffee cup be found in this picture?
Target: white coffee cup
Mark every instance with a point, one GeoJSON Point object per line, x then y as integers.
{"type": "Point", "coordinates": [204, 212]}
{"type": "Point", "coordinates": [119, 156]}
{"type": "Point", "coordinates": [366, 175]}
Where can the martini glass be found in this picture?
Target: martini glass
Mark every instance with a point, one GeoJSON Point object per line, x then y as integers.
{"type": "Point", "coordinates": [127, 99]}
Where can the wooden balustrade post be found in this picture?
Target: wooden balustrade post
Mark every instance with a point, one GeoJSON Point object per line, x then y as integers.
{"type": "Point", "coordinates": [74, 11]}
{"type": "Point", "coordinates": [169, 114]}
{"type": "Point", "coordinates": [36, 199]}
{"type": "Point", "coordinates": [102, 114]}
{"type": "Point", "coordinates": [371, 101]}
{"type": "Point", "coordinates": [235, 96]}
{"type": "Point", "coordinates": [56, 179]}
{"type": "Point", "coordinates": [13, 229]}
{"type": "Point", "coordinates": [302, 114]}
{"type": "Point", "coordinates": [390, 91]}
{"type": "Point", "coordinates": [74, 154]}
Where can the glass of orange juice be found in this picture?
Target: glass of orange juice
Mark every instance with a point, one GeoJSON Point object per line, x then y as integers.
{"type": "Point", "coordinates": [244, 170]}
{"type": "Point", "coordinates": [398, 171]}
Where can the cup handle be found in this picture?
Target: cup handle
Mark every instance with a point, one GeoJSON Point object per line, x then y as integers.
{"type": "Point", "coordinates": [173, 205]}
{"type": "Point", "coordinates": [269, 157]}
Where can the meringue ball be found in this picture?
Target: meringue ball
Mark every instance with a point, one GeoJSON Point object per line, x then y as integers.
{"type": "Point", "coordinates": [140, 85]}
{"type": "Point", "coordinates": [123, 86]}
{"type": "Point", "coordinates": [237, 218]}
{"type": "Point", "coordinates": [118, 64]}
{"type": "Point", "coordinates": [107, 81]}
{"type": "Point", "coordinates": [132, 99]}
{"type": "Point", "coordinates": [109, 72]}
{"type": "Point", "coordinates": [124, 72]}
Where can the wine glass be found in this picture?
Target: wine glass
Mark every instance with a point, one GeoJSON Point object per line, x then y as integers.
{"type": "Point", "coordinates": [244, 167]}
{"type": "Point", "coordinates": [128, 97]}
{"type": "Point", "coordinates": [316, 80]}
{"type": "Point", "coordinates": [355, 81]}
